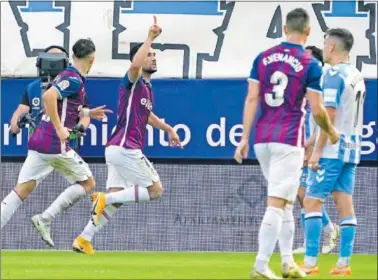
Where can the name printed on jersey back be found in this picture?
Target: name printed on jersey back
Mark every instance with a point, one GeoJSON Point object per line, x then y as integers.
{"type": "Point", "coordinates": [283, 57]}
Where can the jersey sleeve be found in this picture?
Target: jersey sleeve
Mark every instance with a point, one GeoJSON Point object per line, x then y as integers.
{"type": "Point", "coordinates": [314, 76]}
{"type": "Point", "coordinates": [25, 99]}
{"type": "Point", "coordinates": [254, 74]}
{"type": "Point", "coordinates": [332, 88]}
{"type": "Point", "coordinates": [67, 87]}
{"type": "Point", "coordinates": [126, 81]}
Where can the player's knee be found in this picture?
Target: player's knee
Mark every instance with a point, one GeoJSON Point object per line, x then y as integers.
{"type": "Point", "coordinates": [312, 204]}
{"type": "Point", "coordinates": [89, 184]}
{"type": "Point", "coordinates": [23, 190]}
{"type": "Point", "coordinates": [155, 191]}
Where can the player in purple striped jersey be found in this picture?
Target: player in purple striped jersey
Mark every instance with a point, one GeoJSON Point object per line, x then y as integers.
{"type": "Point", "coordinates": [48, 145]}
{"type": "Point", "coordinates": [280, 80]}
{"type": "Point", "coordinates": [126, 162]}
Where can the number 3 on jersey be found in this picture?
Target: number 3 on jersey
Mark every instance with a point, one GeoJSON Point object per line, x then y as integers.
{"type": "Point", "coordinates": [276, 97]}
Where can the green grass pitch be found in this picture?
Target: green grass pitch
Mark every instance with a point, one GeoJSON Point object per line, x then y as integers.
{"type": "Point", "coordinates": [155, 265]}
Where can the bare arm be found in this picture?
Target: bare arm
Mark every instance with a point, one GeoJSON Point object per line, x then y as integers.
{"type": "Point", "coordinates": [154, 121]}
{"type": "Point", "coordinates": [311, 140]}
{"type": "Point", "coordinates": [250, 108]}
{"type": "Point", "coordinates": [323, 137]}
{"type": "Point", "coordinates": [21, 109]}
{"type": "Point", "coordinates": [319, 112]}
{"type": "Point", "coordinates": [50, 99]}
{"type": "Point", "coordinates": [174, 139]}
{"type": "Point", "coordinates": [135, 69]}
{"type": "Point", "coordinates": [85, 121]}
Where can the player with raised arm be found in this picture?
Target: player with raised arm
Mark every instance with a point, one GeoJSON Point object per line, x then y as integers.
{"type": "Point", "coordinates": [280, 79]}
{"type": "Point", "coordinates": [126, 162]}
{"type": "Point", "coordinates": [331, 230]}
{"type": "Point", "coordinates": [334, 166]}
{"type": "Point", "coordinates": [48, 145]}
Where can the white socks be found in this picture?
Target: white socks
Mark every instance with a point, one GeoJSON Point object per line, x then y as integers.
{"type": "Point", "coordinates": [130, 195]}
{"type": "Point", "coordinates": [64, 201]}
{"type": "Point", "coordinates": [90, 230]}
{"type": "Point", "coordinates": [268, 235]}
{"type": "Point", "coordinates": [286, 238]}
{"type": "Point", "coordinates": [9, 206]}
{"type": "Point", "coordinates": [329, 228]}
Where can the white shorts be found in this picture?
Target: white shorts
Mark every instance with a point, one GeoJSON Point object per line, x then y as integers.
{"type": "Point", "coordinates": [281, 165]}
{"type": "Point", "coordinates": [128, 167]}
{"type": "Point", "coordinates": [38, 166]}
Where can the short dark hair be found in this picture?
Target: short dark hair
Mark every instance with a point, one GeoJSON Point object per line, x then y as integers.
{"type": "Point", "coordinates": [83, 47]}
{"type": "Point", "coordinates": [134, 50]}
{"type": "Point", "coordinates": [344, 35]}
{"type": "Point", "coordinates": [297, 20]}
{"type": "Point", "coordinates": [63, 50]}
{"type": "Point", "coordinates": [316, 52]}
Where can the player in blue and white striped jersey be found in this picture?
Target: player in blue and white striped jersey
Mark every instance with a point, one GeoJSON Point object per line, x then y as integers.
{"type": "Point", "coordinates": [330, 230]}
{"type": "Point", "coordinates": [334, 166]}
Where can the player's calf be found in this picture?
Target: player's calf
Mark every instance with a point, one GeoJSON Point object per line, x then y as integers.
{"type": "Point", "coordinates": [67, 199]}
{"type": "Point", "coordinates": [286, 237]}
{"type": "Point", "coordinates": [344, 205]}
{"type": "Point", "coordinates": [134, 194]}
{"type": "Point", "coordinates": [269, 233]}
{"type": "Point", "coordinates": [14, 199]}
{"type": "Point", "coordinates": [313, 229]}
{"type": "Point", "coordinates": [300, 196]}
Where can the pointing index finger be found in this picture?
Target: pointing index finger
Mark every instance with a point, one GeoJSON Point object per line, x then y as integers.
{"type": "Point", "coordinates": [155, 20]}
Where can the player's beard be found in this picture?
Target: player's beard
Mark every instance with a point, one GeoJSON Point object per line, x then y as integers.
{"type": "Point", "coordinates": [149, 70]}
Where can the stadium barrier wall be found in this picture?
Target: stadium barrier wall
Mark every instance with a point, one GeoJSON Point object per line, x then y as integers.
{"type": "Point", "coordinates": [207, 115]}
{"type": "Point", "coordinates": [204, 208]}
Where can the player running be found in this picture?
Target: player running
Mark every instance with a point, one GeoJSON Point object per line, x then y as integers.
{"type": "Point", "coordinates": [280, 79]}
{"type": "Point", "coordinates": [48, 145]}
{"type": "Point", "coordinates": [331, 230]}
{"type": "Point", "coordinates": [126, 162]}
{"type": "Point", "coordinates": [30, 109]}
{"type": "Point", "coordinates": [334, 166]}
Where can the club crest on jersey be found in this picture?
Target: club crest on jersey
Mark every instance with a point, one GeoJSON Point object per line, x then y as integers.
{"type": "Point", "coordinates": [63, 84]}
{"type": "Point", "coordinates": [146, 103]}
{"type": "Point", "coordinates": [36, 101]}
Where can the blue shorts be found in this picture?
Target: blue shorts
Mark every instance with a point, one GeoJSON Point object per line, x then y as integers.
{"type": "Point", "coordinates": [304, 176]}
{"type": "Point", "coordinates": [333, 175]}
